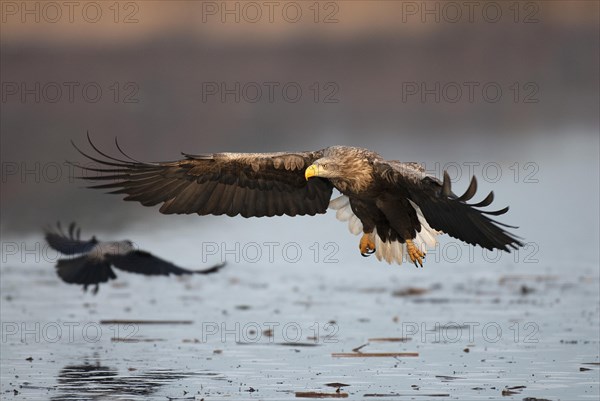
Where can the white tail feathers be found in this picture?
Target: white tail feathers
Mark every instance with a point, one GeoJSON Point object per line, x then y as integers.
{"type": "Point", "coordinates": [426, 238]}
{"type": "Point", "coordinates": [345, 213]}
{"type": "Point", "coordinates": [391, 251]}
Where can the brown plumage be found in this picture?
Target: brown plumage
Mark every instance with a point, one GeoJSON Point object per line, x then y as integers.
{"type": "Point", "coordinates": [396, 205]}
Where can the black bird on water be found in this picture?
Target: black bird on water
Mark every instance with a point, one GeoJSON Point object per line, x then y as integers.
{"type": "Point", "coordinates": [94, 258]}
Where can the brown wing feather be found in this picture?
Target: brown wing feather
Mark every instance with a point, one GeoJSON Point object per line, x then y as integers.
{"type": "Point", "coordinates": [248, 184]}
{"type": "Point", "coordinates": [447, 212]}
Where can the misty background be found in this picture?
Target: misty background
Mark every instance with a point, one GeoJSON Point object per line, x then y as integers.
{"type": "Point", "coordinates": [414, 81]}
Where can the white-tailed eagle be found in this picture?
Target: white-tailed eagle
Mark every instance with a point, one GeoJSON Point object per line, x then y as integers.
{"type": "Point", "coordinates": [90, 260]}
{"type": "Point", "coordinates": [398, 207]}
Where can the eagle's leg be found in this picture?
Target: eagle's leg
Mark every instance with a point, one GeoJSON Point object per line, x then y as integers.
{"type": "Point", "coordinates": [414, 253]}
{"type": "Point", "coordinates": [366, 245]}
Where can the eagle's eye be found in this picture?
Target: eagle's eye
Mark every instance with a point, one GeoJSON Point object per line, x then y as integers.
{"type": "Point", "coordinates": [324, 165]}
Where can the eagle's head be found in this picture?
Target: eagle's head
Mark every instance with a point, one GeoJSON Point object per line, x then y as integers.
{"type": "Point", "coordinates": [346, 167]}
{"type": "Point", "coordinates": [325, 167]}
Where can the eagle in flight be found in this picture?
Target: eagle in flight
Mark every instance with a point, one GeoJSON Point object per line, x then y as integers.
{"type": "Point", "coordinates": [398, 207]}
{"type": "Point", "coordinates": [89, 261]}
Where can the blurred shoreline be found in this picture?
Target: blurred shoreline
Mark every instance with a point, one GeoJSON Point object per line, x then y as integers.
{"type": "Point", "coordinates": [378, 77]}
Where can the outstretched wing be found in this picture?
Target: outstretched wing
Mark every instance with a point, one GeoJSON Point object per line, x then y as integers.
{"type": "Point", "coordinates": [145, 263]}
{"type": "Point", "coordinates": [448, 212]}
{"type": "Point", "coordinates": [68, 244]}
{"type": "Point", "coordinates": [249, 184]}
{"type": "Point", "coordinates": [84, 270]}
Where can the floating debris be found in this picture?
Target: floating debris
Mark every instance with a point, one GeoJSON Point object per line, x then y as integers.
{"type": "Point", "coordinates": [357, 349]}
{"type": "Point", "coordinates": [135, 340]}
{"type": "Point", "coordinates": [374, 354]}
{"type": "Point", "coordinates": [298, 344]}
{"type": "Point", "coordinates": [337, 385]}
{"type": "Point", "coordinates": [448, 378]}
{"type": "Point", "coordinates": [390, 339]}
{"type": "Point", "coordinates": [314, 394]}
{"type": "Point", "coordinates": [410, 292]}
{"type": "Point", "coordinates": [525, 290]}
{"type": "Point", "coordinates": [512, 390]}
{"type": "Point", "coordinates": [124, 321]}
{"type": "Point", "coordinates": [406, 395]}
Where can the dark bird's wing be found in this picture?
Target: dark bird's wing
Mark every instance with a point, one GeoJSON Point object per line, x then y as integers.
{"type": "Point", "coordinates": [447, 212]}
{"type": "Point", "coordinates": [249, 184]}
{"type": "Point", "coordinates": [84, 270]}
{"type": "Point", "coordinates": [145, 263]}
{"type": "Point", "coordinates": [211, 270]}
{"type": "Point", "coordinates": [68, 243]}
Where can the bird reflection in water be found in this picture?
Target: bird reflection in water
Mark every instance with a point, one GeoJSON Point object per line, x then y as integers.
{"type": "Point", "coordinates": [93, 381]}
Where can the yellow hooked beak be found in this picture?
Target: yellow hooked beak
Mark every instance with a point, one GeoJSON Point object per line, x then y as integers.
{"type": "Point", "coordinates": [311, 171]}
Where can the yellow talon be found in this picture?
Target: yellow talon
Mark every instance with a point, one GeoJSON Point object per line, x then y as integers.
{"type": "Point", "coordinates": [414, 253]}
{"type": "Point", "coordinates": [366, 245]}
